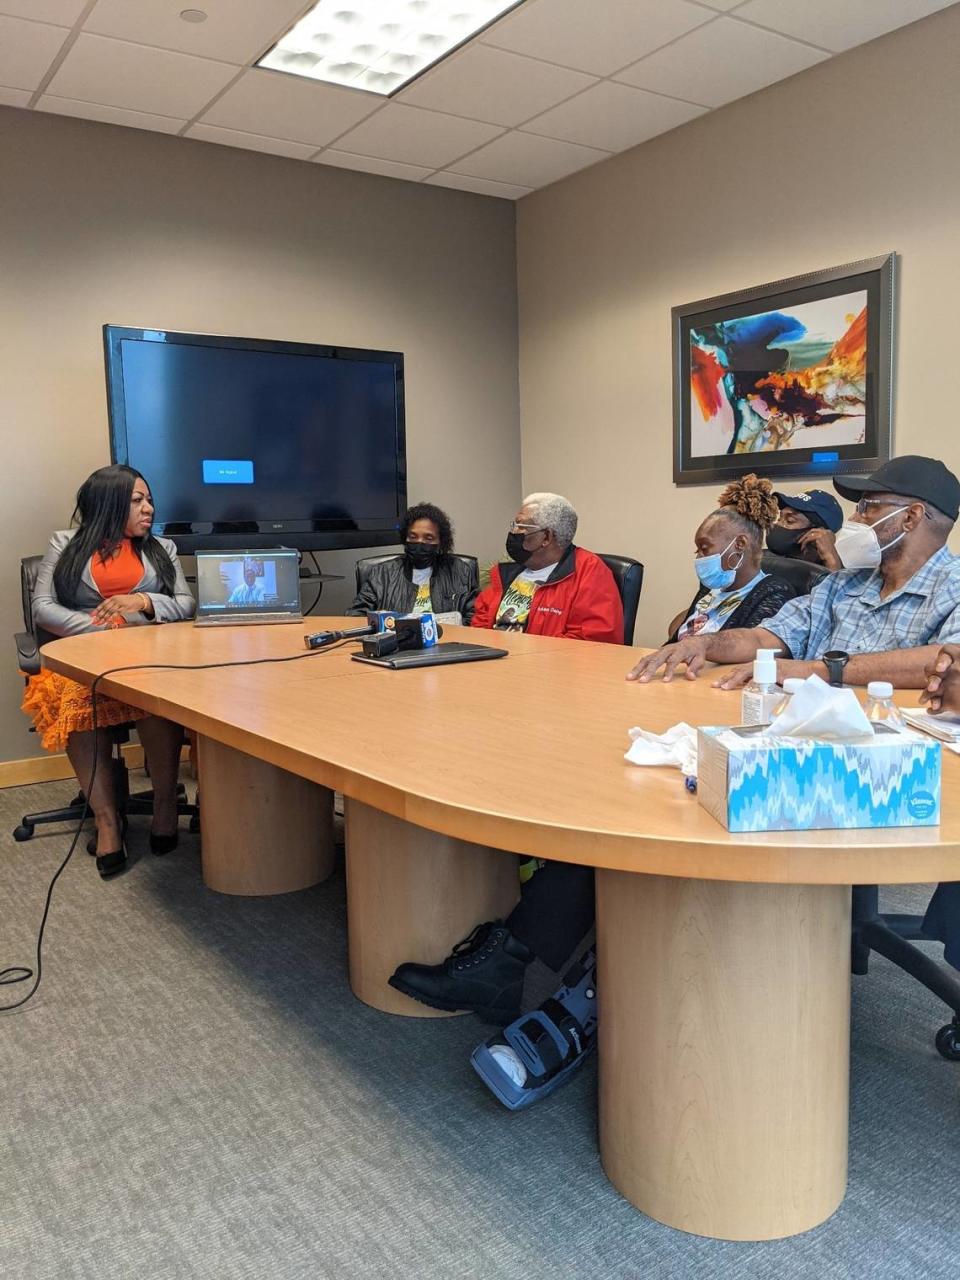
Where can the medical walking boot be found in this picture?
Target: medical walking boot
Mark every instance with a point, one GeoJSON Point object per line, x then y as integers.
{"type": "Point", "coordinates": [538, 1052]}
{"type": "Point", "coordinates": [483, 975]}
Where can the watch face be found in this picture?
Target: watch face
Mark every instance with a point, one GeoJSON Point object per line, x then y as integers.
{"type": "Point", "coordinates": [836, 655]}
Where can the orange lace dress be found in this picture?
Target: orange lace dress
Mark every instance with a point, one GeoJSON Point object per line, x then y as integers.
{"type": "Point", "coordinates": [59, 706]}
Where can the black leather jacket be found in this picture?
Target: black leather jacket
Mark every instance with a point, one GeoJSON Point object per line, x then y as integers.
{"type": "Point", "coordinates": [388, 585]}
{"type": "Point", "coordinates": [767, 598]}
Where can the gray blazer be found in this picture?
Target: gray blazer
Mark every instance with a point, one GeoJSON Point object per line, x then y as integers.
{"type": "Point", "coordinates": [50, 615]}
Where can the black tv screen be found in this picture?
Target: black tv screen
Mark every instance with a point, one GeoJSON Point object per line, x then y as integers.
{"type": "Point", "coordinates": [254, 443]}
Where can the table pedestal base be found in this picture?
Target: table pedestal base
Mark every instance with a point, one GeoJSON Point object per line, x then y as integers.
{"type": "Point", "coordinates": [724, 1051]}
{"type": "Point", "coordinates": [412, 894]}
{"type": "Point", "coordinates": [264, 830]}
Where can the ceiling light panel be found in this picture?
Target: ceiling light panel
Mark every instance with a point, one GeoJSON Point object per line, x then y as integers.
{"type": "Point", "coordinates": [379, 45]}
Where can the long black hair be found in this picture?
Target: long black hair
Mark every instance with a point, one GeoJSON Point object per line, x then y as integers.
{"type": "Point", "coordinates": [101, 515]}
{"type": "Point", "coordinates": [427, 511]}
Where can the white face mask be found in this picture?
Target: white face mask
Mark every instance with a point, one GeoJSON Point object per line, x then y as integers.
{"type": "Point", "coordinates": [858, 546]}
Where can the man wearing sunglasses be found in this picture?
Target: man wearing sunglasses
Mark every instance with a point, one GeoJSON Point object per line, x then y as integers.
{"type": "Point", "coordinates": [883, 616]}
{"type": "Point", "coordinates": [549, 587]}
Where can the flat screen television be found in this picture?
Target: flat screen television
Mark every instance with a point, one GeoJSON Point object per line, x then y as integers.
{"type": "Point", "coordinates": [249, 443]}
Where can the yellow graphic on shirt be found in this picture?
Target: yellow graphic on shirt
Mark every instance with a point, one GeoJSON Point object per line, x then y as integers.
{"type": "Point", "coordinates": [514, 608]}
{"type": "Point", "coordinates": [422, 604]}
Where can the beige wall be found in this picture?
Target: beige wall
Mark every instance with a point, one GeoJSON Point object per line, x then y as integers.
{"type": "Point", "coordinates": [103, 224]}
{"type": "Point", "coordinates": [854, 158]}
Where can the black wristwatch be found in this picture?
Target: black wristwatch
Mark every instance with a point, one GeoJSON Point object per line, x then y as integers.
{"type": "Point", "coordinates": [835, 660]}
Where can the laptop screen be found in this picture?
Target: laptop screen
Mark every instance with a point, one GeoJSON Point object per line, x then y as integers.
{"type": "Point", "coordinates": [247, 582]}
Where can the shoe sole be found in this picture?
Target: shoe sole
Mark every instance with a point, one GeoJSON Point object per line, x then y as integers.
{"type": "Point", "coordinates": [493, 1017]}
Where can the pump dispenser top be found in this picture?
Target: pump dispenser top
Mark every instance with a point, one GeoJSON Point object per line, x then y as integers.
{"type": "Point", "coordinates": [765, 666]}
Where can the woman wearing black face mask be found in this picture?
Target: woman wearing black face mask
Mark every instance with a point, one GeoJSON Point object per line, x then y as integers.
{"type": "Point", "coordinates": [427, 578]}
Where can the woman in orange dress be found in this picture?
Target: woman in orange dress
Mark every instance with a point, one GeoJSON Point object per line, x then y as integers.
{"type": "Point", "coordinates": [109, 571]}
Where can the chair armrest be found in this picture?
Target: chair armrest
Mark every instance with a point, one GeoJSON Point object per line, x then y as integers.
{"type": "Point", "coordinates": [28, 655]}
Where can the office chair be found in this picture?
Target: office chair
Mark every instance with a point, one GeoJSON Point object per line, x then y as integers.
{"type": "Point", "coordinates": [28, 644]}
{"type": "Point", "coordinates": [628, 575]}
{"type": "Point", "coordinates": [801, 575]}
{"type": "Point", "coordinates": [364, 566]}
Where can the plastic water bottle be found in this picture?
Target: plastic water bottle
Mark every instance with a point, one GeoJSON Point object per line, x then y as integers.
{"type": "Point", "coordinates": [880, 706]}
{"type": "Point", "coordinates": [763, 693]}
{"type": "Point", "coordinates": [790, 687]}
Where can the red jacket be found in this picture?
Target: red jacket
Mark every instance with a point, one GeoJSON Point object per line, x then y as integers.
{"type": "Point", "coordinates": [579, 600]}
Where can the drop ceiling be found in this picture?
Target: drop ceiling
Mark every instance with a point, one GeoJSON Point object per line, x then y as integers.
{"type": "Point", "coordinates": [552, 87]}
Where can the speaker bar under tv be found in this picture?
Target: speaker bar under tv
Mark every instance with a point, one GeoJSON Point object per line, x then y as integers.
{"type": "Point", "coordinates": [247, 442]}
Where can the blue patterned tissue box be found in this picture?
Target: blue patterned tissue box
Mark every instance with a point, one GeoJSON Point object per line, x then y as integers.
{"type": "Point", "coordinates": [752, 782]}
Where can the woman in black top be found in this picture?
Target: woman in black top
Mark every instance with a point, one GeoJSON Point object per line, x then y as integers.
{"type": "Point", "coordinates": [734, 591]}
{"type": "Point", "coordinates": [427, 577]}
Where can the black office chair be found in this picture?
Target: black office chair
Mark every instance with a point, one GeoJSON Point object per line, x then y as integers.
{"type": "Point", "coordinates": [366, 564]}
{"type": "Point", "coordinates": [28, 644]}
{"type": "Point", "coordinates": [628, 575]}
{"type": "Point", "coordinates": [799, 573]}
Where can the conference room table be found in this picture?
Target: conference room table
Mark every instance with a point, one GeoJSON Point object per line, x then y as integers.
{"type": "Point", "coordinates": [724, 960]}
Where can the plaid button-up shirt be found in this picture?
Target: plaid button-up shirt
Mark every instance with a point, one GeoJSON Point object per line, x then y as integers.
{"type": "Point", "coordinates": [845, 611]}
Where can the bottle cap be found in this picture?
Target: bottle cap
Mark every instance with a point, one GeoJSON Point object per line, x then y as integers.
{"type": "Point", "coordinates": [879, 689]}
{"type": "Point", "coordinates": [792, 684]}
{"type": "Point", "coordinates": [765, 666]}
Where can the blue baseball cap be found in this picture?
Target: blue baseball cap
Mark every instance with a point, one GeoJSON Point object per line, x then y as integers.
{"type": "Point", "coordinates": [821, 508]}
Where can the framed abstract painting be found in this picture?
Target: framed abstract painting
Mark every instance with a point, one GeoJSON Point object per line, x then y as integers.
{"type": "Point", "coordinates": [793, 378]}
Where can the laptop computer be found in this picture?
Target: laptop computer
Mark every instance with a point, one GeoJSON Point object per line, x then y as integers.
{"type": "Point", "coordinates": [240, 588]}
{"type": "Point", "coordinates": [437, 655]}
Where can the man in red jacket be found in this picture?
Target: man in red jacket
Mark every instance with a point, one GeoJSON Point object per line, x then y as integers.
{"type": "Point", "coordinates": [550, 587]}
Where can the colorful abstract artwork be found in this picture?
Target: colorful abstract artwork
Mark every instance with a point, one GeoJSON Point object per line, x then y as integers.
{"type": "Point", "coordinates": [793, 383]}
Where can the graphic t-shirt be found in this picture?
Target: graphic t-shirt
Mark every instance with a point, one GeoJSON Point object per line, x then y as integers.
{"type": "Point", "coordinates": [513, 611]}
{"type": "Point", "coordinates": [712, 610]}
{"type": "Point", "coordinates": [421, 580]}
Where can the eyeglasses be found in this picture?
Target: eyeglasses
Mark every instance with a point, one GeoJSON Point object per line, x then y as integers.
{"type": "Point", "coordinates": [885, 502]}
{"type": "Point", "coordinates": [518, 527]}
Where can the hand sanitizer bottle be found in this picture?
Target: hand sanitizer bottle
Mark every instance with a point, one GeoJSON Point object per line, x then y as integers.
{"type": "Point", "coordinates": [762, 693]}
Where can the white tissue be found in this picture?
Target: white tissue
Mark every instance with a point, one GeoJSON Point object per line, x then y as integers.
{"type": "Point", "coordinates": [818, 710]}
{"type": "Point", "coordinates": [676, 747]}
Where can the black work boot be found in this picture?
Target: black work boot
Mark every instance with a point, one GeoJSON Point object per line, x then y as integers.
{"type": "Point", "coordinates": [483, 974]}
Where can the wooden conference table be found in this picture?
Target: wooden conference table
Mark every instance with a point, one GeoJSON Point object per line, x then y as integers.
{"type": "Point", "coordinates": [724, 959]}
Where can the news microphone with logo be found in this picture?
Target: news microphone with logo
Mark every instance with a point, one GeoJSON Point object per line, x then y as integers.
{"type": "Point", "coordinates": [417, 631]}
{"type": "Point", "coordinates": [381, 620]}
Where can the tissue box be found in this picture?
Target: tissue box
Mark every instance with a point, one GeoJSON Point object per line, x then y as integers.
{"type": "Point", "coordinates": [751, 782]}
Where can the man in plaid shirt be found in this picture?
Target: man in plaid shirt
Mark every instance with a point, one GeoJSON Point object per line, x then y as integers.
{"type": "Point", "coordinates": [883, 616]}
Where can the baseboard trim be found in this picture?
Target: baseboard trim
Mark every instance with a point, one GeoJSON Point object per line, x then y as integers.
{"type": "Point", "coordinates": [55, 768]}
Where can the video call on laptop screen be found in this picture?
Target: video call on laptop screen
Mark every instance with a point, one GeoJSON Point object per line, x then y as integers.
{"type": "Point", "coordinates": [248, 582]}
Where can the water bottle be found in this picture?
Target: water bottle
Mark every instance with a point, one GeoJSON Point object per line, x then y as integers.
{"type": "Point", "coordinates": [790, 687]}
{"type": "Point", "coordinates": [880, 707]}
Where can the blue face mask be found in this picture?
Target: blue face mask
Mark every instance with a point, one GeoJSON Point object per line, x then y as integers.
{"type": "Point", "coordinates": [711, 572]}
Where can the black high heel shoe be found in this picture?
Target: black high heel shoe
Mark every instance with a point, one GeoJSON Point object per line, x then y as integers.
{"type": "Point", "coordinates": [109, 864]}
{"type": "Point", "coordinates": [92, 842]}
{"type": "Point", "coordinates": [159, 845]}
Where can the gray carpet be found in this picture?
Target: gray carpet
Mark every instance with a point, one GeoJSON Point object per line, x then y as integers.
{"type": "Point", "coordinates": [195, 1093]}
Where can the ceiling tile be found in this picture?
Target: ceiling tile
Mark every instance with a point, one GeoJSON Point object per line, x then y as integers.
{"type": "Point", "coordinates": [26, 51]}
{"type": "Point", "coordinates": [721, 62]}
{"type": "Point", "coordinates": [232, 32]}
{"type": "Point", "coordinates": [493, 85]}
{"type": "Point", "coordinates": [525, 160]}
{"type": "Point", "coordinates": [109, 115]}
{"type": "Point", "coordinates": [137, 78]}
{"type": "Point", "coordinates": [613, 116]}
{"type": "Point", "coordinates": [62, 13]}
{"type": "Point", "coordinates": [251, 141]}
{"type": "Point", "coordinates": [481, 186]}
{"type": "Point", "coordinates": [838, 26]}
{"type": "Point", "coordinates": [598, 37]}
{"type": "Point", "coordinates": [370, 164]}
{"type": "Point", "coordinates": [413, 136]}
{"type": "Point", "coordinates": [15, 97]}
{"type": "Point", "coordinates": [282, 106]}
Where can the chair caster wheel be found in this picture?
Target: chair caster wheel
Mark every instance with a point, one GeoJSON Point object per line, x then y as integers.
{"type": "Point", "coordinates": [23, 832]}
{"type": "Point", "coordinates": [948, 1042]}
{"type": "Point", "coordinates": [194, 827]}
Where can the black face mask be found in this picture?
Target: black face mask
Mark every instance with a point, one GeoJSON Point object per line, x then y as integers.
{"type": "Point", "coordinates": [515, 548]}
{"type": "Point", "coordinates": [422, 555]}
{"type": "Point", "coordinates": [785, 542]}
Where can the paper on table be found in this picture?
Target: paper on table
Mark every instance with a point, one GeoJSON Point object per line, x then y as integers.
{"type": "Point", "coordinates": [818, 710]}
{"type": "Point", "coordinates": [945, 727]}
{"type": "Point", "coordinates": [677, 747]}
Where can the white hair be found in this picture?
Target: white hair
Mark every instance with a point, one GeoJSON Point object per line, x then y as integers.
{"type": "Point", "coordinates": [554, 513]}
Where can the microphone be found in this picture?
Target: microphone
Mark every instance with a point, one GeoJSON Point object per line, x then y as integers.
{"type": "Point", "coordinates": [414, 631]}
{"type": "Point", "coordinates": [320, 639]}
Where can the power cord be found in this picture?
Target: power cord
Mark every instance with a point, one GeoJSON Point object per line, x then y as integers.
{"type": "Point", "coordinates": [20, 973]}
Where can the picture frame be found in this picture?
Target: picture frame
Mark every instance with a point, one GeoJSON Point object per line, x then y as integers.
{"type": "Point", "coordinates": [791, 378]}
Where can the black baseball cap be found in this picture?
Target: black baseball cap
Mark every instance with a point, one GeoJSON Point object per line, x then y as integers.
{"type": "Point", "coordinates": [822, 508]}
{"type": "Point", "coordinates": [913, 476]}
